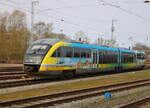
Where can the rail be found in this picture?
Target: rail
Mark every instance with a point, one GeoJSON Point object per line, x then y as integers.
{"type": "Point", "coordinates": [68, 96]}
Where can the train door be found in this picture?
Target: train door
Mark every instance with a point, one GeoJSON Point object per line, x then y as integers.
{"type": "Point", "coordinates": [95, 58]}
{"type": "Point", "coordinates": [119, 61]}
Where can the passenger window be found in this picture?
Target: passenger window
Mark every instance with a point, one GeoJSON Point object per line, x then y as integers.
{"type": "Point", "coordinates": [69, 52]}
{"type": "Point", "coordinates": [76, 52]}
{"type": "Point", "coordinates": [83, 53]}
{"type": "Point", "coordinates": [54, 54]}
{"type": "Point", "coordinates": [88, 53]}
{"type": "Point", "coordinates": [57, 53]}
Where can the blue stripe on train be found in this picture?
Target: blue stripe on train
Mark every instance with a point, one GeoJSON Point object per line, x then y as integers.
{"type": "Point", "coordinates": [99, 47]}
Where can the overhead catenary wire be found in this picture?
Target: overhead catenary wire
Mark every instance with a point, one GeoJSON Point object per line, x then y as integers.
{"type": "Point", "coordinates": [75, 17]}
{"type": "Point", "coordinates": [68, 22]}
{"type": "Point", "coordinates": [72, 23]}
{"type": "Point", "coordinates": [125, 10]}
{"type": "Point", "coordinates": [11, 1]}
{"type": "Point", "coordinates": [9, 5]}
{"type": "Point", "coordinates": [57, 19]}
{"type": "Point", "coordinates": [66, 5]}
{"type": "Point", "coordinates": [70, 7]}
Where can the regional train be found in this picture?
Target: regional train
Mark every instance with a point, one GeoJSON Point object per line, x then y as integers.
{"type": "Point", "coordinates": [48, 57]}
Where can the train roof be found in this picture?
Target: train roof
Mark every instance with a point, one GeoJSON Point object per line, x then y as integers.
{"type": "Point", "coordinates": [100, 47]}
{"type": "Point", "coordinates": [141, 52]}
{"type": "Point", "coordinates": [78, 44]}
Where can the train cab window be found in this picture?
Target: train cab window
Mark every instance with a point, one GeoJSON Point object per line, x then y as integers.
{"type": "Point", "coordinates": [140, 56]}
{"type": "Point", "coordinates": [38, 49]}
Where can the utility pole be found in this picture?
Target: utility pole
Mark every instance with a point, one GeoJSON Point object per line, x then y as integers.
{"type": "Point", "coordinates": [112, 29]}
{"type": "Point", "coordinates": [112, 40]}
{"type": "Point", "coordinates": [147, 1]}
{"type": "Point", "coordinates": [32, 17]}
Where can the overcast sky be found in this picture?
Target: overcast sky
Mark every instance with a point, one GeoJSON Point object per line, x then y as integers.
{"type": "Point", "coordinates": [94, 17]}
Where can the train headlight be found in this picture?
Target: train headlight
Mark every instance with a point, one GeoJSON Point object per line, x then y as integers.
{"type": "Point", "coordinates": [38, 59]}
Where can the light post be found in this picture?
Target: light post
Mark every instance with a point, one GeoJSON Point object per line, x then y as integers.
{"type": "Point", "coordinates": [32, 17]}
{"type": "Point", "coordinates": [113, 28]}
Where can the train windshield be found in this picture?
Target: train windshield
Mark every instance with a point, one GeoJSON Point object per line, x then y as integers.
{"type": "Point", "coordinates": [38, 49]}
{"type": "Point", "coordinates": [140, 56]}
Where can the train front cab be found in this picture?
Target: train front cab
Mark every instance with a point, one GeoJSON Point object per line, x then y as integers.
{"type": "Point", "coordinates": [34, 57]}
{"type": "Point", "coordinates": [140, 60]}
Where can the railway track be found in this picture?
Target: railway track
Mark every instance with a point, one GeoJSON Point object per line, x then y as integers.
{"type": "Point", "coordinates": [136, 104]}
{"type": "Point", "coordinates": [10, 69]}
{"type": "Point", "coordinates": [22, 83]}
{"type": "Point", "coordinates": [8, 77]}
{"type": "Point", "coordinates": [20, 74]}
{"type": "Point", "coordinates": [69, 96]}
{"type": "Point", "coordinates": [12, 75]}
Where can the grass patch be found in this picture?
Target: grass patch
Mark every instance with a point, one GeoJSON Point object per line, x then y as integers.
{"type": "Point", "coordinates": [130, 76]}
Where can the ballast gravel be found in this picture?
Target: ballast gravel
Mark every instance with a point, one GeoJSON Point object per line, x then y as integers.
{"type": "Point", "coordinates": [116, 100]}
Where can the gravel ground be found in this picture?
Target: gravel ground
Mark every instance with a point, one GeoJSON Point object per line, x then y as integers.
{"type": "Point", "coordinates": [28, 87]}
{"type": "Point", "coordinates": [11, 80]}
{"type": "Point", "coordinates": [147, 105]}
{"type": "Point", "coordinates": [116, 100]}
{"type": "Point", "coordinates": [64, 85]}
{"type": "Point", "coordinates": [51, 83]}
{"type": "Point", "coordinates": [10, 65]}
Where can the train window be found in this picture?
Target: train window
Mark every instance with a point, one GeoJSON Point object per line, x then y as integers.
{"type": "Point", "coordinates": [88, 53]}
{"type": "Point", "coordinates": [83, 53]}
{"type": "Point", "coordinates": [100, 57]}
{"type": "Point", "coordinates": [115, 57]}
{"type": "Point", "coordinates": [110, 59]}
{"type": "Point", "coordinates": [57, 53]}
{"type": "Point", "coordinates": [110, 56]}
{"type": "Point", "coordinates": [131, 58]}
{"type": "Point", "coordinates": [104, 57]}
{"type": "Point", "coordinates": [54, 54]}
{"type": "Point", "coordinates": [107, 57]}
{"type": "Point", "coordinates": [38, 49]}
{"type": "Point", "coordinates": [77, 52]}
{"type": "Point", "coordinates": [128, 57]}
{"type": "Point", "coordinates": [69, 52]}
{"type": "Point", "coordinates": [140, 56]}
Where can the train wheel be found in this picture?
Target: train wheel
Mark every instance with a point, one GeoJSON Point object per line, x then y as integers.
{"type": "Point", "coordinates": [121, 69]}
{"type": "Point", "coordinates": [116, 69]}
{"type": "Point", "coordinates": [68, 74]}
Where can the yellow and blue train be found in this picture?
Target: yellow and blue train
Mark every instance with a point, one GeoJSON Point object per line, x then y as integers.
{"type": "Point", "coordinates": [46, 57]}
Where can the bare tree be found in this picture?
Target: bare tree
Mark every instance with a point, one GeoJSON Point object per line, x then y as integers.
{"type": "Point", "coordinates": [81, 36]}
{"type": "Point", "coordinates": [41, 30]}
{"type": "Point", "coordinates": [141, 47]}
{"type": "Point", "coordinates": [14, 35]}
{"type": "Point", "coordinates": [106, 42]}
